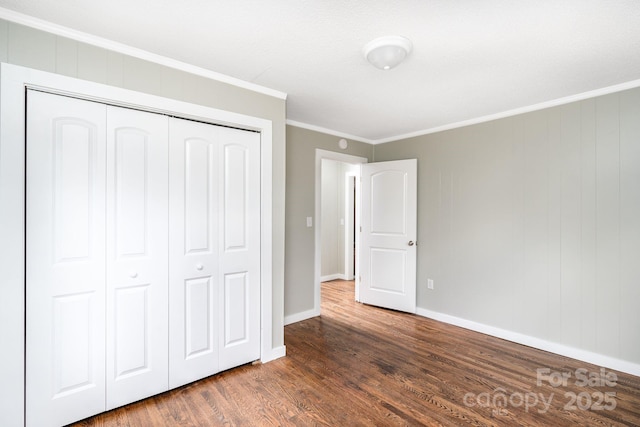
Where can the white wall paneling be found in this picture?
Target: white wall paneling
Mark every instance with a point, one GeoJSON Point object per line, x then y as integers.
{"type": "Point", "coordinates": [130, 191]}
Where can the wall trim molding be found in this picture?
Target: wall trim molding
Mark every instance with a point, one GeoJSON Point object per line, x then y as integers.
{"type": "Point", "coordinates": [329, 131]}
{"type": "Point", "coordinates": [299, 317]}
{"type": "Point", "coordinates": [517, 111]}
{"type": "Point", "coordinates": [275, 353]}
{"type": "Point", "coordinates": [560, 349]}
{"type": "Point", "coordinates": [59, 30]}
{"type": "Point", "coordinates": [336, 276]}
{"type": "Point", "coordinates": [483, 119]}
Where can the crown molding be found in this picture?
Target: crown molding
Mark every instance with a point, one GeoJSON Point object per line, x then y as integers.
{"type": "Point", "coordinates": [329, 131]}
{"type": "Point", "coordinates": [504, 114]}
{"type": "Point", "coordinates": [522, 110]}
{"type": "Point", "coordinates": [80, 36]}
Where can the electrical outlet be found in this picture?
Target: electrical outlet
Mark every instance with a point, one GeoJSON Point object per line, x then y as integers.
{"type": "Point", "coordinates": [430, 283]}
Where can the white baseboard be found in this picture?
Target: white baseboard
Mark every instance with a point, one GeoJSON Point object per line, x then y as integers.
{"type": "Point", "coordinates": [563, 350]}
{"type": "Point", "coordinates": [299, 317]}
{"type": "Point", "coordinates": [330, 277]}
{"type": "Point", "coordinates": [275, 353]}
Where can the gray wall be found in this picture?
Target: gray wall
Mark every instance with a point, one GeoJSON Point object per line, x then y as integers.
{"type": "Point", "coordinates": [532, 223]}
{"type": "Point", "coordinates": [299, 240]}
{"type": "Point", "coordinates": [21, 45]}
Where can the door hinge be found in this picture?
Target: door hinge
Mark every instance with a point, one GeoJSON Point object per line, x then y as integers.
{"type": "Point", "coordinates": [361, 229]}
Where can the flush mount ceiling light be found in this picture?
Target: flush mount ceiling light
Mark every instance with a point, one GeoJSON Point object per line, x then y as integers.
{"type": "Point", "coordinates": [387, 52]}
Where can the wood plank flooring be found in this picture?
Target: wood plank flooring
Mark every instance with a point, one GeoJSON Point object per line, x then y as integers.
{"type": "Point", "coordinates": [358, 365]}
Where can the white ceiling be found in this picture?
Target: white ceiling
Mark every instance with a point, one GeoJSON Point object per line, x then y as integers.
{"type": "Point", "coordinates": [470, 59]}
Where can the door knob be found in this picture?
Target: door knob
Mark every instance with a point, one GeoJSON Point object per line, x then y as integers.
{"type": "Point", "coordinates": [411, 243]}
{"type": "Point", "coordinates": [199, 267]}
{"type": "Point", "coordinates": [133, 275]}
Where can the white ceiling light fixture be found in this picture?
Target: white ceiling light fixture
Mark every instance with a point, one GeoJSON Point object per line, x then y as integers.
{"type": "Point", "coordinates": [387, 52]}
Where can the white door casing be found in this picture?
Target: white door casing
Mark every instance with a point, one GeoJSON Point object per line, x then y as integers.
{"type": "Point", "coordinates": [388, 237]}
{"type": "Point", "coordinates": [65, 267]}
{"type": "Point", "coordinates": [351, 178]}
{"type": "Point", "coordinates": [136, 230]}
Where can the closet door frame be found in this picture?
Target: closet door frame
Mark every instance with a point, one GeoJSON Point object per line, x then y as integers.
{"type": "Point", "coordinates": [14, 80]}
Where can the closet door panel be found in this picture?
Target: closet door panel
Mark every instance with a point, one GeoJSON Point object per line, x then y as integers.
{"type": "Point", "coordinates": [137, 245]}
{"type": "Point", "coordinates": [198, 311]}
{"type": "Point", "coordinates": [236, 310]}
{"type": "Point", "coordinates": [239, 195]}
{"type": "Point", "coordinates": [65, 265]}
{"type": "Point", "coordinates": [193, 213]}
{"type": "Point", "coordinates": [131, 195]}
{"type": "Point", "coordinates": [199, 168]}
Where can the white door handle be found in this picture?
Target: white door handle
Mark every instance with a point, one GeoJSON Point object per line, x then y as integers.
{"type": "Point", "coordinates": [133, 275]}
{"type": "Point", "coordinates": [199, 267]}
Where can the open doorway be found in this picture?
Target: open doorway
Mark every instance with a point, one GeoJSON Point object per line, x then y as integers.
{"type": "Point", "coordinates": [336, 218]}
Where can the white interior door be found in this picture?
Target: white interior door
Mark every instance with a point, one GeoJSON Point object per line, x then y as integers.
{"type": "Point", "coordinates": [388, 237]}
{"type": "Point", "coordinates": [65, 260]}
{"type": "Point", "coordinates": [193, 211]}
{"type": "Point", "coordinates": [239, 247]}
{"type": "Point", "coordinates": [137, 276]}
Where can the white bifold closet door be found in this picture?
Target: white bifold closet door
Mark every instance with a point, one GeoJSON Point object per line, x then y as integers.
{"type": "Point", "coordinates": [239, 245]}
{"type": "Point", "coordinates": [137, 245]}
{"type": "Point", "coordinates": [65, 260]}
{"type": "Point", "coordinates": [214, 249]}
{"type": "Point", "coordinates": [96, 258]}
{"type": "Point", "coordinates": [143, 255]}
{"type": "Point", "coordinates": [194, 269]}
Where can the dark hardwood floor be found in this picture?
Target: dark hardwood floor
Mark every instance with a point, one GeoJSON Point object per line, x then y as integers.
{"type": "Point", "coordinates": [358, 365]}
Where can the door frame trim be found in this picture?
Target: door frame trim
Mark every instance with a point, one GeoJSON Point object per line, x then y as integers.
{"type": "Point", "coordinates": [13, 83]}
{"type": "Point", "coordinates": [350, 212]}
{"type": "Point", "coordinates": [341, 157]}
